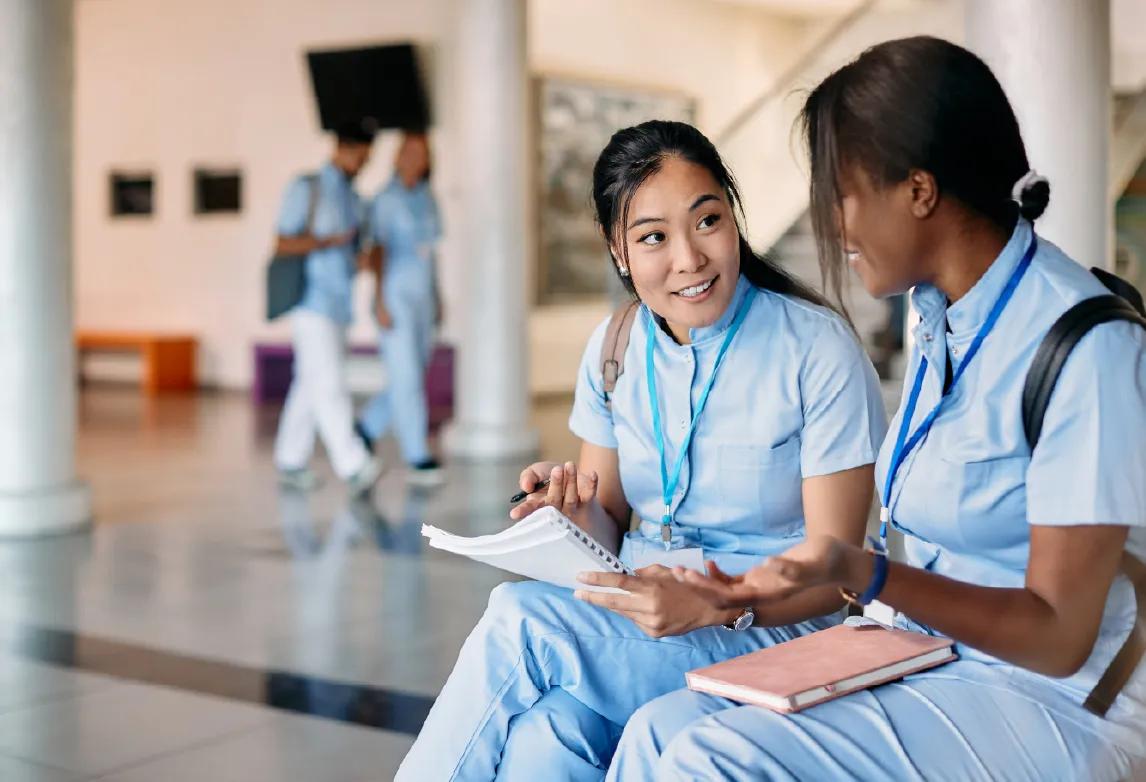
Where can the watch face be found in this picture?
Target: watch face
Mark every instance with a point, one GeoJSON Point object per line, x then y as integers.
{"type": "Point", "coordinates": [745, 620]}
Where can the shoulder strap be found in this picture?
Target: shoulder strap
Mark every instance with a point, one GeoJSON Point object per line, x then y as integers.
{"type": "Point", "coordinates": [312, 205]}
{"type": "Point", "coordinates": [1045, 369]}
{"type": "Point", "coordinates": [1126, 659]}
{"type": "Point", "coordinates": [1055, 349]}
{"type": "Point", "coordinates": [614, 347]}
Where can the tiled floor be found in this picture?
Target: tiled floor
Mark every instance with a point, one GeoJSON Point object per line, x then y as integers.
{"type": "Point", "coordinates": [213, 627]}
{"type": "Point", "coordinates": [208, 593]}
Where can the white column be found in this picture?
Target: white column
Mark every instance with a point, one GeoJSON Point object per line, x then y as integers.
{"type": "Point", "coordinates": [492, 403]}
{"type": "Point", "coordinates": [1053, 59]}
{"type": "Point", "coordinates": [39, 492]}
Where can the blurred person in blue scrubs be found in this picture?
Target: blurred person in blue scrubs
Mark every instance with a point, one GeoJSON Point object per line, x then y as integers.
{"type": "Point", "coordinates": [746, 406]}
{"type": "Point", "coordinates": [1024, 557]}
{"type": "Point", "coordinates": [319, 400]}
{"type": "Point", "coordinates": [405, 228]}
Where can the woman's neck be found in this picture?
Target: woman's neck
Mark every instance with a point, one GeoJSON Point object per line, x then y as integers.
{"type": "Point", "coordinates": [961, 260]}
{"type": "Point", "coordinates": [678, 332]}
{"type": "Point", "coordinates": [675, 331]}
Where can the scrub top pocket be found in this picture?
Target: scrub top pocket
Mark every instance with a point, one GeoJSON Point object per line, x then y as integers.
{"type": "Point", "coordinates": [761, 483]}
{"type": "Point", "coordinates": [987, 490]}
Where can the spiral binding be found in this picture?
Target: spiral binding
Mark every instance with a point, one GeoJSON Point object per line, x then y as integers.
{"type": "Point", "coordinates": [593, 546]}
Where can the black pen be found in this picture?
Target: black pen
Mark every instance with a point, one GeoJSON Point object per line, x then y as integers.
{"type": "Point", "coordinates": [521, 495]}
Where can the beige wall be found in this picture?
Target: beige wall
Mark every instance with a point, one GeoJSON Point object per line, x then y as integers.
{"type": "Point", "coordinates": [224, 83]}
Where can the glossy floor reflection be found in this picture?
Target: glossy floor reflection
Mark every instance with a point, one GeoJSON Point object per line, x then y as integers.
{"type": "Point", "coordinates": [212, 626]}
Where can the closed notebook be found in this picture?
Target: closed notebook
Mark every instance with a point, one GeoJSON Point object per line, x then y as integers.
{"type": "Point", "coordinates": [821, 666]}
{"type": "Point", "coordinates": [545, 545]}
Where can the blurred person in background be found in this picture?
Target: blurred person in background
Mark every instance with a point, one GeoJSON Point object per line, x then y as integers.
{"type": "Point", "coordinates": [405, 228]}
{"type": "Point", "coordinates": [320, 218]}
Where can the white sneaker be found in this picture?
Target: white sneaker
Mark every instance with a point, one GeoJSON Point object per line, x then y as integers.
{"type": "Point", "coordinates": [299, 479]}
{"type": "Point", "coordinates": [361, 482]}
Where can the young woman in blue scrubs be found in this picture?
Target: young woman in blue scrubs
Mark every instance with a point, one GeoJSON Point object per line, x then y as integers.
{"type": "Point", "coordinates": [916, 156]}
{"type": "Point", "coordinates": [405, 228]}
{"type": "Point", "coordinates": [746, 407]}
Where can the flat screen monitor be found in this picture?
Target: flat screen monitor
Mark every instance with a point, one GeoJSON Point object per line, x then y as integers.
{"type": "Point", "coordinates": [379, 82]}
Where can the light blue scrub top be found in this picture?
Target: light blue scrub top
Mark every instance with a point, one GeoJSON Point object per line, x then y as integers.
{"type": "Point", "coordinates": [796, 397]}
{"type": "Point", "coordinates": [329, 271]}
{"type": "Point", "coordinates": [966, 495]}
{"type": "Point", "coordinates": [405, 221]}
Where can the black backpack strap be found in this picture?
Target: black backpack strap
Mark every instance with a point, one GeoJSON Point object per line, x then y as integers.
{"type": "Point", "coordinates": [1121, 287]}
{"type": "Point", "coordinates": [1055, 349]}
{"type": "Point", "coordinates": [1051, 356]}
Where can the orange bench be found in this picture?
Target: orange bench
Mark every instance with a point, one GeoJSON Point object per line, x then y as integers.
{"type": "Point", "coordinates": [168, 359]}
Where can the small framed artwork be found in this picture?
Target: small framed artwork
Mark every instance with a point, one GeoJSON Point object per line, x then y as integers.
{"type": "Point", "coordinates": [218, 191]}
{"type": "Point", "coordinates": [132, 194]}
{"type": "Point", "coordinates": [575, 119]}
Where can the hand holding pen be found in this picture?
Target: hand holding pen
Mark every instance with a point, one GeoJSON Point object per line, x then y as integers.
{"type": "Point", "coordinates": [556, 485]}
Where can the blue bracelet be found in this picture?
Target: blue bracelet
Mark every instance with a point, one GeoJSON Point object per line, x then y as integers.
{"type": "Point", "coordinates": [878, 577]}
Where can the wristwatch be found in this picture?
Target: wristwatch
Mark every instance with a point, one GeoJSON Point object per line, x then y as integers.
{"type": "Point", "coordinates": [742, 621]}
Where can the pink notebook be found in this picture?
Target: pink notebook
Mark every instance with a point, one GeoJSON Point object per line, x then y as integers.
{"type": "Point", "coordinates": [815, 668]}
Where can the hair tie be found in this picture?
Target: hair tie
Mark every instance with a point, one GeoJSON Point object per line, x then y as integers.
{"type": "Point", "coordinates": [1026, 181]}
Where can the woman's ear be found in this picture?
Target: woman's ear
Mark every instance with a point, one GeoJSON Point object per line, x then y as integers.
{"type": "Point", "coordinates": [622, 269]}
{"type": "Point", "coordinates": [924, 191]}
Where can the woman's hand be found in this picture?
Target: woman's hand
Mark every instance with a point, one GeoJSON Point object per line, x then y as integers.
{"type": "Point", "coordinates": [659, 602]}
{"type": "Point", "coordinates": [337, 240]}
{"type": "Point", "coordinates": [574, 494]}
{"type": "Point", "coordinates": [819, 561]}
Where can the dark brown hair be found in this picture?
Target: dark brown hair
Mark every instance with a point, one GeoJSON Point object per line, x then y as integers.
{"type": "Point", "coordinates": [915, 104]}
{"type": "Point", "coordinates": [636, 153]}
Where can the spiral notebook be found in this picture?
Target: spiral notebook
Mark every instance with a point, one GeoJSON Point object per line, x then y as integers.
{"type": "Point", "coordinates": [545, 546]}
{"type": "Point", "coordinates": [818, 667]}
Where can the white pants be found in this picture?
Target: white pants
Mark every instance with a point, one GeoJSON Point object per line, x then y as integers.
{"type": "Point", "coordinates": [318, 401]}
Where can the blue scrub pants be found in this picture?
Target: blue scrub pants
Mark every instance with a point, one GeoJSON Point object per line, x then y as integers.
{"type": "Point", "coordinates": [964, 721]}
{"type": "Point", "coordinates": [545, 682]}
{"type": "Point", "coordinates": [405, 349]}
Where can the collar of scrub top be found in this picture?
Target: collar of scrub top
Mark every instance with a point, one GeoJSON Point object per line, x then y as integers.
{"type": "Point", "coordinates": [670, 478]}
{"type": "Point", "coordinates": [704, 334]}
{"type": "Point", "coordinates": [982, 306]}
{"type": "Point", "coordinates": [333, 173]}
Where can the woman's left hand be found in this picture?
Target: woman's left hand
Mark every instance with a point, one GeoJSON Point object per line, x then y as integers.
{"type": "Point", "coordinates": [821, 560]}
{"type": "Point", "coordinates": [660, 602]}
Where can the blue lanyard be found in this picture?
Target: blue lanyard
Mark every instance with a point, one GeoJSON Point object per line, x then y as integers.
{"type": "Point", "coordinates": [903, 444]}
{"type": "Point", "coordinates": [669, 481]}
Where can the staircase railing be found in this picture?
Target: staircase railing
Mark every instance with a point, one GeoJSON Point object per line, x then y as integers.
{"type": "Point", "coordinates": [790, 75]}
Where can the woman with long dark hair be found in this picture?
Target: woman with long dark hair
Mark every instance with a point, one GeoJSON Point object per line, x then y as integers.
{"type": "Point", "coordinates": [1024, 556]}
{"type": "Point", "coordinates": [747, 416]}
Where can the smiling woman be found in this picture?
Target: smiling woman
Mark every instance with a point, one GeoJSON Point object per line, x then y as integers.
{"type": "Point", "coordinates": [752, 420]}
{"type": "Point", "coordinates": [677, 242]}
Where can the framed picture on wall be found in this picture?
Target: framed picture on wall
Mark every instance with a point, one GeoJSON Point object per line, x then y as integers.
{"type": "Point", "coordinates": [575, 119]}
{"type": "Point", "coordinates": [217, 191]}
{"type": "Point", "coordinates": [132, 193]}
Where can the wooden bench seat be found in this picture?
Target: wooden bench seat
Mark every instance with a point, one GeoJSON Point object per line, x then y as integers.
{"type": "Point", "coordinates": [168, 359]}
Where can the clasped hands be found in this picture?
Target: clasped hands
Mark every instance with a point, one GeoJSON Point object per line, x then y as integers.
{"type": "Point", "coordinates": [672, 601]}
{"type": "Point", "coordinates": [664, 601]}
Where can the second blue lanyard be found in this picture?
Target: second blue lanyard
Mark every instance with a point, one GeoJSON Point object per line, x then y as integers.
{"type": "Point", "coordinates": [905, 444]}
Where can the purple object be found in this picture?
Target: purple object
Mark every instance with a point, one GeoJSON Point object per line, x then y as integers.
{"type": "Point", "coordinates": [274, 367]}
